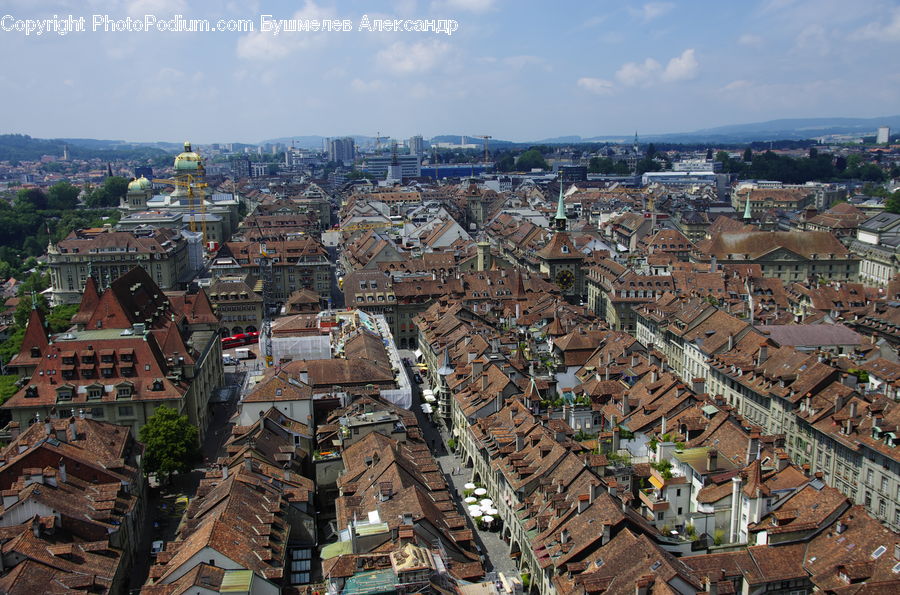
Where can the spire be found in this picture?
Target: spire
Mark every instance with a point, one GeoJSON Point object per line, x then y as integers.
{"type": "Point", "coordinates": [109, 173]}
{"type": "Point", "coordinates": [747, 214]}
{"type": "Point", "coordinates": [560, 208]}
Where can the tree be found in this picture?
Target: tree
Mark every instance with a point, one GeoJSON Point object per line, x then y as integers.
{"type": "Point", "coordinates": [651, 150]}
{"type": "Point", "coordinates": [31, 198]}
{"type": "Point", "coordinates": [531, 159]}
{"type": "Point", "coordinates": [171, 443]}
{"type": "Point", "coordinates": [748, 155]}
{"type": "Point", "coordinates": [709, 154]}
{"type": "Point", "coordinates": [108, 194]}
{"type": "Point", "coordinates": [63, 196]}
{"type": "Point", "coordinates": [892, 204]}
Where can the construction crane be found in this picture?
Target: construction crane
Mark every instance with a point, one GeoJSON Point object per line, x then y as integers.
{"type": "Point", "coordinates": [265, 277]}
{"type": "Point", "coordinates": [195, 188]}
{"type": "Point", "coordinates": [378, 138]}
{"type": "Point", "coordinates": [485, 138]}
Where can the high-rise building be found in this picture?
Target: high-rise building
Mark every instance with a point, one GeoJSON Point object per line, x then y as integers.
{"type": "Point", "coordinates": [342, 150]}
{"type": "Point", "coordinates": [884, 135]}
{"type": "Point", "coordinates": [416, 145]}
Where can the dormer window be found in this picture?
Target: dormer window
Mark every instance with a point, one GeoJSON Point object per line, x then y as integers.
{"type": "Point", "coordinates": [35, 352]}
{"type": "Point", "coordinates": [63, 394]}
{"type": "Point", "coordinates": [94, 393]}
{"type": "Point", "coordinates": [123, 391]}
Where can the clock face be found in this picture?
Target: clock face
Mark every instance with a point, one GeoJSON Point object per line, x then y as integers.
{"type": "Point", "coordinates": [565, 279]}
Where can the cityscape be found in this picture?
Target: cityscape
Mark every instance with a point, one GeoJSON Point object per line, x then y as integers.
{"type": "Point", "coordinates": [313, 335]}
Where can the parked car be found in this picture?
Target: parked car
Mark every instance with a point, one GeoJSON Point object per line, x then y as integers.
{"type": "Point", "coordinates": [156, 547]}
{"type": "Point", "coordinates": [229, 360]}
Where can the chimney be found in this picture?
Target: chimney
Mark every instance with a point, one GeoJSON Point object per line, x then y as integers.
{"type": "Point", "coordinates": [643, 585]}
{"type": "Point", "coordinates": [584, 500]}
{"type": "Point", "coordinates": [730, 342]}
{"type": "Point", "coordinates": [712, 460]}
{"type": "Point", "coordinates": [36, 526]}
{"type": "Point", "coordinates": [520, 441]}
{"type": "Point", "coordinates": [698, 386]}
{"type": "Point", "coordinates": [73, 431]}
{"type": "Point", "coordinates": [712, 264]}
{"type": "Point", "coordinates": [805, 468]}
{"type": "Point", "coordinates": [735, 508]}
{"type": "Point", "coordinates": [783, 460]}
{"type": "Point", "coordinates": [615, 439]}
{"type": "Point", "coordinates": [48, 427]}
{"type": "Point", "coordinates": [477, 368]}
{"type": "Point", "coordinates": [248, 462]}
{"type": "Point", "coordinates": [753, 447]}
{"type": "Point", "coordinates": [564, 536]}
{"type": "Point", "coordinates": [484, 381]}
{"type": "Point", "coordinates": [853, 408]}
{"type": "Point", "coordinates": [559, 487]}
{"type": "Point", "coordinates": [839, 403]}
{"type": "Point", "coordinates": [663, 426]}
{"type": "Point", "coordinates": [612, 488]}
{"type": "Point", "coordinates": [594, 490]}
{"type": "Point", "coordinates": [762, 355]}
{"type": "Point", "coordinates": [225, 471]}
{"type": "Point", "coordinates": [62, 471]}
{"type": "Point", "coordinates": [654, 375]}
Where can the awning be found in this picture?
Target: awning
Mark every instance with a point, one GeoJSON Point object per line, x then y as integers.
{"type": "Point", "coordinates": [417, 353]}
{"type": "Point", "coordinates": [655, 482]}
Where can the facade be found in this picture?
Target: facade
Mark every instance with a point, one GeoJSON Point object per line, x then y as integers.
{"type": "Point", "coordinates": [410, 165]}
{"type": "Point", "coordinates": [342, 150]}
{"type": "Point", "coordinates": [296, 264]}
{"type": "Point", "coordinates": [878, 246]}
{"type": "Point", "coordinates": [132, 350]}
{"type": "Point", "coordinates": [789, 256]}
{"type": "Point", "coordinates": [170, 257]}
{"type": "Point", "coordinates": [238, 307]}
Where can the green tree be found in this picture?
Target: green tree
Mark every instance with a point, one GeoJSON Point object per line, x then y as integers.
{"type": "Point", "coordinates": [892, 204]}
{"type": "Point", "coordinates": [23, 310]}
{"type": "Point", "coordinates": [31, 198]}
{"type": "Point", "coordinates": [108, 194]}
{"type": "Point", "coordinates": [748, 155]}
{"type": "Point", "coordinates": [63, 196]}
{"type": "Point", "coordinates": [8, 386]}
{"type": "Point", "coordinates": [531, 159]}
{"type": "Point", "coordinates": [171, 443]}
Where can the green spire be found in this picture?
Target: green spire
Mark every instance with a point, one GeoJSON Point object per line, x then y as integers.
{"type": "Point", "coordinates": [560, 207]}
{"type": "Point", "coordinates": [747, 214]}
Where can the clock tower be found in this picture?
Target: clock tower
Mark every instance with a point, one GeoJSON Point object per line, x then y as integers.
{"type": "Point", "coordinates": [560, 260]}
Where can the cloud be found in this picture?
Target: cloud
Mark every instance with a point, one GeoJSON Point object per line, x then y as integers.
{"type": "Point", "coordinates": [361, 86]}
{"type": "Point", "coordinates": [478, 6]}
{"type": "Point", "coordinates": [887, 31]}
{"type": "Point", "coordinates": [681, 68]}
{"type": "Point", "coordinates": [750, 40]}
{"type": "Point", "coordinates": [650, 72]}
{"type": "Point", "coordinates": [736, 85]}
{"type": "Point", "coordinates": [653, 10]}
{"type": "Point", "coordinates": [596, 86]}
{"type": "Point", "coordinates": [633, 74]}
{"type": "Point", "coordinates": [260, 45]}
{"type": "Point", "coordinates": [402, 59]}
{"type": "Point", "coordinates": [525, 61]}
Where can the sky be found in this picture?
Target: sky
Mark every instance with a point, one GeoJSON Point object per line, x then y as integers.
{"type": "Point", "coordinates": [515, 69]}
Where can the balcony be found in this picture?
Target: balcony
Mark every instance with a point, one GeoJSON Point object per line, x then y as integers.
{"type": "Point", "coordinates": [653, 500]}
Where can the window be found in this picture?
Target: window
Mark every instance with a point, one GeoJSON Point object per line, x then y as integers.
{"type": "Point", "coordinates": [123, 392]}
{"type": "Point", "coordinates": [94, 392]}
{"type": "Point", "coordinates": [884, 484]}
{"type": "Point", "coordinates": [660, 516]}
{"type": "Point", "coordinates": [98, 412]}
{"type": "Point", "coordinates": [127, 411]}
{"type": "Point", "coordinates": [869, 477]}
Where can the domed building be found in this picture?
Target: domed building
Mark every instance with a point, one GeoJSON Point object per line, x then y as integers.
{"type": "Point", "coordinates": [139, 192]}
{"type": "Point", "coordinates": [218, 215]}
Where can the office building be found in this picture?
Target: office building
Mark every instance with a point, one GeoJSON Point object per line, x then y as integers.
{"type": "Point", "coordinates": [342, 150]}
{"type": "Point", "coordinates": [884, 135]}
{"type": "Point", "coordinates": [416, 145]}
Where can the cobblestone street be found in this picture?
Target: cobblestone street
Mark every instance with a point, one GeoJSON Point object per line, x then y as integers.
{"type": "Point", "coordinates": [495, 550]}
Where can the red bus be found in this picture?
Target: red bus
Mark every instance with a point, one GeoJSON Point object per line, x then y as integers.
{"type": "Point", "coordinates": [240, 339]}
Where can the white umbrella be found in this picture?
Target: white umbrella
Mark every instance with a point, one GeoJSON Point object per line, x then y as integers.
{"type": "Point", "coordinates": [469, 486]}
{"type": "Point", "coordinates": [475, 511]}
{"type": "Point", "coordinates": [427, 391]}
{"type": "Point", "coordinates": [470, 500]}
{"type": "Point", "coordinates": [480, 491]}
{"type": "Point", "coordinates": [430, 398]}
{"type": "Point", "coordinates": [491, 511]}
{"type": "Point", "coordinates": [486, 503]}
{"type": "Point", "coordinates": [487, 519]}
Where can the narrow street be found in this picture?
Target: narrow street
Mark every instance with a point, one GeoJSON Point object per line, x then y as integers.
{"type": "Point", "coordinates": [163, 509]}
{"type": "Point", "coordinates": [496, 551]}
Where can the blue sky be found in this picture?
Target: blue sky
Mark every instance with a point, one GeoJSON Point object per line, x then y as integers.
{"type": "Point", "coordinates": [517, 70]}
